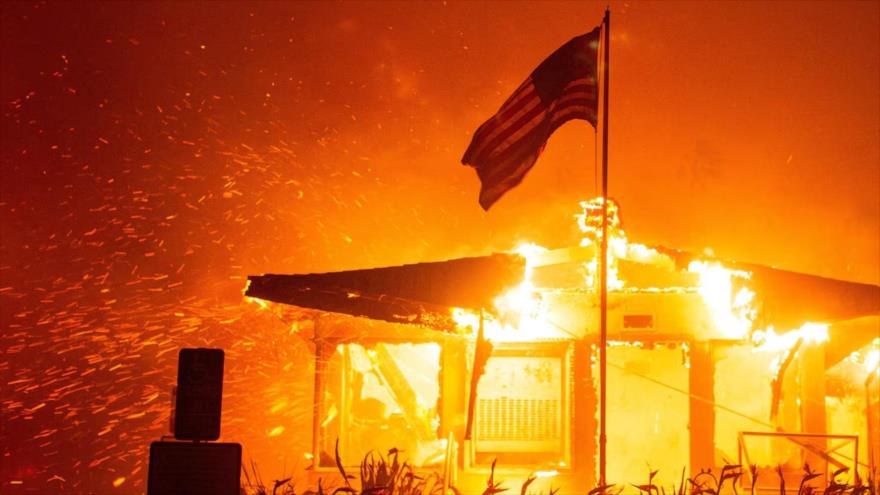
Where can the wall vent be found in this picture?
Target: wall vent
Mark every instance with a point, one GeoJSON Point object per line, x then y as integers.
{"type": "Point", "coordinates": [638, 321]}
{"type": "Point", "coordinates": [506, 419]}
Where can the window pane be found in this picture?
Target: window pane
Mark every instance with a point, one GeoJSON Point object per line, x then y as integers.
{"type": "Point", "coordinates": [380, 397]}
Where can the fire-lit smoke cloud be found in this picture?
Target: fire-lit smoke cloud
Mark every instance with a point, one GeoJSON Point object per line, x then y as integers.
{"type": "Point", "coordinates": [153, 154]}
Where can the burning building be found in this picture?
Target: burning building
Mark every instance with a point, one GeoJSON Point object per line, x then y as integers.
{"type": "Point", "coordinates": [462, 363]}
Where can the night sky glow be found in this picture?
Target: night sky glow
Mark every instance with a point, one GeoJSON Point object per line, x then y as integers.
{"type": "Point", "coordinates": [154, 154]}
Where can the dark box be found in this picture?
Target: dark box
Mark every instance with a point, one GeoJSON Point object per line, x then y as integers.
{"type": "Point", "coordinates": [183, 468]}
{"type": "Point", "coordinates": [199, 394]}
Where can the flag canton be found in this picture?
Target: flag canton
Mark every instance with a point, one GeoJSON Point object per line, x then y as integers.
{"type": "Point", "coordinates": [573, 60]}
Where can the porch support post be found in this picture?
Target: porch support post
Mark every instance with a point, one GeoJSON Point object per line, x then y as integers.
{"type": "Point", "coordinates": [701, 410]}
{"type": "Point", "coordinates": [811, 379]}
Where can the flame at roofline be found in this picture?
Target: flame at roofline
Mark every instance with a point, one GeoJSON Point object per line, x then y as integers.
{"type": "Point", "coordinates": [740, 298]}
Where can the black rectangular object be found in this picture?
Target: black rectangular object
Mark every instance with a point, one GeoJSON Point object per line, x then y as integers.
{"type": "Point", "coordinates": [199, 394]}
{"type": "Point", "coordinates": [183, 468]}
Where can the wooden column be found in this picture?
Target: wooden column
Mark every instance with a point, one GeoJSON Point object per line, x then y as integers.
{"type": "Point", "coordinates": [811, 380]}
{"type": "Point", "coordinates": [584, 416]}
{"type": "Point", "coordinates": [701, 410]}
{"type": "Point", "coordinates": [318, 394]}
{"type": "Point", "coordinates": [453, 392]}
{"type": "Point", "coordinates": [872, 415]}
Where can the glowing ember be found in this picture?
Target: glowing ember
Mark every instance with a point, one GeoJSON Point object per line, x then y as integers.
{"type": "Point", "coordinates": [305, 137]}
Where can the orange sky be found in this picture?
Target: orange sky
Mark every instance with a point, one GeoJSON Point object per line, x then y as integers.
{"type": "Point", "coordinates": [748, 128]}
{"type": "Point", "coordinates": [751, 129]}
{"type": "Point", "coordinates": [154, 154]}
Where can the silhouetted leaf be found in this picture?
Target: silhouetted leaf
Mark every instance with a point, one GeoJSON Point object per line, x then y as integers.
{"type": "Point", "coordinates": [600, 489]}
{"type": "Point", "coordinates": [525, 486]}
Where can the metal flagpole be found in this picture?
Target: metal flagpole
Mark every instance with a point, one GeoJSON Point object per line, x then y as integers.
{"type": "Point", "coordinates": [603, 270]}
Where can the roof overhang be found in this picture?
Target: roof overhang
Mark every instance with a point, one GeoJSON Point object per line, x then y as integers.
{"type": "Point", "coordinates": [419, 293]}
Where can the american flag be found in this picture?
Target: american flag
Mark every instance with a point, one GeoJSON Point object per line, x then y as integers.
{"type": "Point", "coordinates": [562, 88]}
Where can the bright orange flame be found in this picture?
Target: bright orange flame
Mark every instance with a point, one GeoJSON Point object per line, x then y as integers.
{"type": "Point", "coordinates": [521, 314]}
{"type": "Point", "coordinates": [619, 247]}
{"type": "Point", "coordinates": [259, 302]}
{"type": "Point", "coordinates": [528, 251]}
{"type": "Point", "coordinates": [253, 300]}
{"type": "Point", "coordinates": [871, 361]}
{"type": "Point", "coordinates": [590, 223]}
{"type": "Point", "coordinates": [518, 314]}
{"type": "Point", "coordinates": [731, 311]}
{"type": "Point", "coordinates": [770, 341]}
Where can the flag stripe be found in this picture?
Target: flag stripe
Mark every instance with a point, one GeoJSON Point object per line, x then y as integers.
{"type": "Point", "coordinates": [495, 190]}
{"type": "Point", "coordinates": [574, 112]}
{"type": "Point", "coordinates": [504, 163]}
{"type": "Point", "coordinates": [503, 129]}
{"type": "Point", "coordinates": [495, 132]}
{"type": "Point", "coordinates": [523, 88]}
{"type": "Point", "coordinates": [507, 145]}
{"type": "Point", "coordinates": [523, 133]}
{"type": "Point", "coordinates": [523, 96]}
{"type": "Point", "coordinates": [514, 134]}
{"type": "Point", "coordinates": [517, 165]}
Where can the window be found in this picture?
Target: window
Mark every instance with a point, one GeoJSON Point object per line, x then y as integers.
{"type": "Point", "coordinates": [522, 415]}
{"type": "Point", "coordinates": [379, 397]}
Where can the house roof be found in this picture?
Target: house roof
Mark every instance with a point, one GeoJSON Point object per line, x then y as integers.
{"type": "Point", "coordinates": [420, 293]}
{"type": "Point", "coordinates": [424, 292]}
